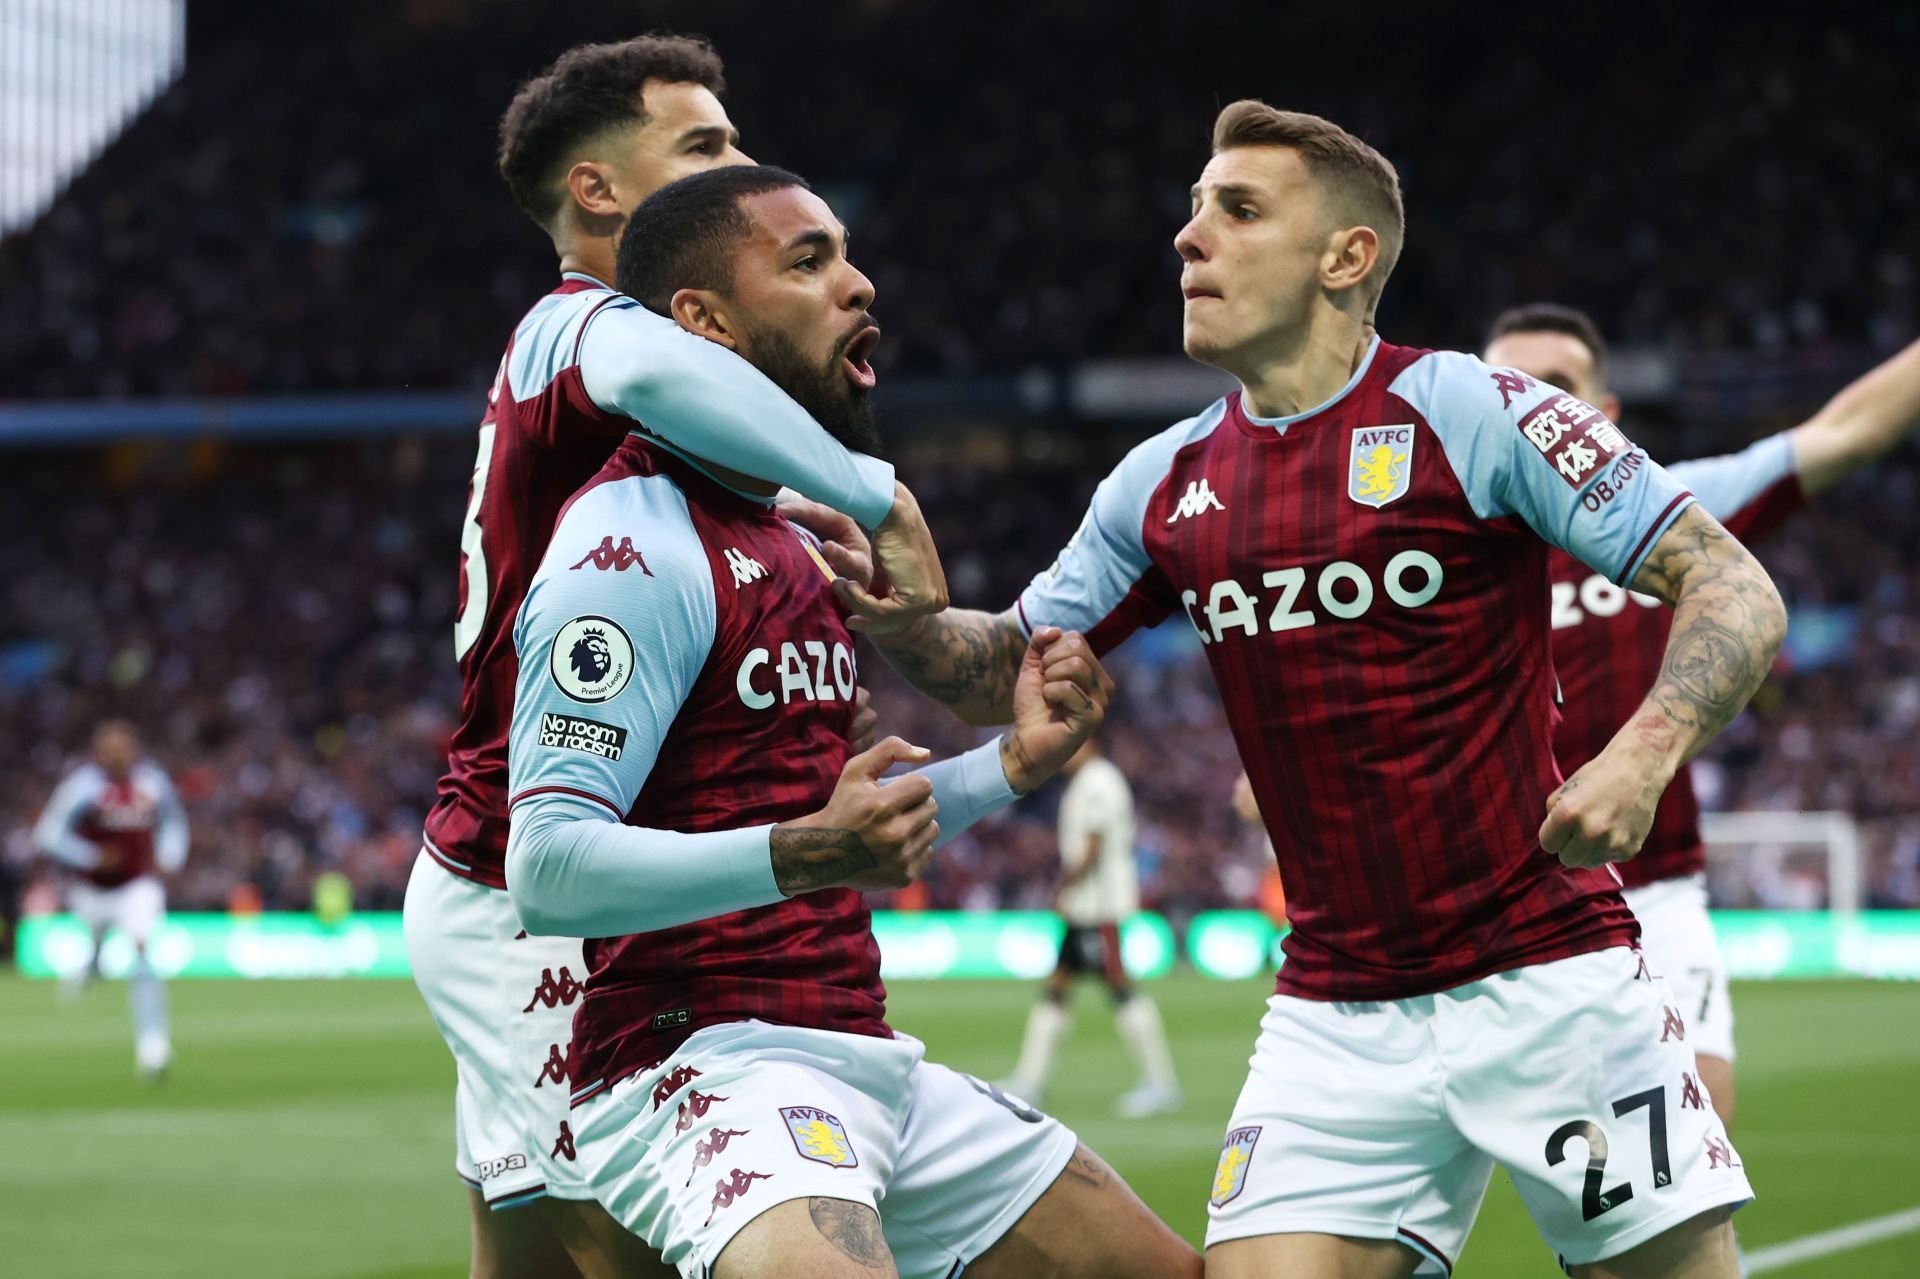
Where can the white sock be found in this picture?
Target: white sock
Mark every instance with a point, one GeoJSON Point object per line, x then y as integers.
{"type": "Point", "coordinates": [1139, 1022]}
{"type": "Point", "coordinates": [1046, 1024]}
{"type": "Point", "coordinates": [148, 995]}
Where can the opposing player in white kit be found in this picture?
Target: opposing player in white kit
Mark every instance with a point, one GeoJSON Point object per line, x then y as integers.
{"type": "Point", "coordinates": [683, 795]}
{"type": "Point", "coordinates": [581, 145]}
{"type": "Point", "coordinates": [1608, 643]}
{"type": "Point", "coordinates": [118, 824]}
{"type": "Point", "coordinates": [1099, 891]}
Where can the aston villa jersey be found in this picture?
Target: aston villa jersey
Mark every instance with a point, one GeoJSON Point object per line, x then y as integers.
{"type": "Point", "coordinates": [1369, 581]}
{"type": "Point", "coordinates": [1609, 642]}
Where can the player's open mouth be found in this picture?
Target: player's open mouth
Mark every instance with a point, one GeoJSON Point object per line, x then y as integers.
{"type": "Point", "coordinates": [857, 352]}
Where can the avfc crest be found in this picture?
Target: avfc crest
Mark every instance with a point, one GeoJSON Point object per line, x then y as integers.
{"type": "Point", "coordinates": [819, 1136]}
{"type": "Point", "coordinates": [591, 659]}
{"type": "Point", "coordinates": [1236, 1156]}
{"type": "Point", "coordinates": [1380, 464]}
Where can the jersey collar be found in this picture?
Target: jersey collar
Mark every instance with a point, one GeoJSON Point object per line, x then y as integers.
{"type": "Point", "coordinates": [584, 278]}
{"type": "Point", "coordinates": [1279, 425]}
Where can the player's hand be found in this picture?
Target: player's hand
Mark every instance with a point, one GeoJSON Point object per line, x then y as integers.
{"type": "Point", "coordinates": [1603, 812]}
{"type": "Point", "coordinates": [872, 834]}
{"type": "Point", "coordinates": [866, 721]}
{"type": "Point", "coordinates": [842, 541]}
{"type": "Point", "coordinates": [908, 581]}
{"type": "Point", "coordinates": [1060, 699]}
{"type": "Point", "coordinates": [1245, 805]}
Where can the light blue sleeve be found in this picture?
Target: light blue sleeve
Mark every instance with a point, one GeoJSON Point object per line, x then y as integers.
{"type": "Point", "coordinates": [55, 834]}
{"type": "Point", "coordinates": [170, 834]}
{"type": "Point", "coordinates": [607, 659]}
{"type": "Point", "coordinates": [703, 402]}
{"type": "Point", "coordinates": [1525, 449]}
{"type": "Point", "coordinates": [968, 787]}
{"type": "Point", "coordinates": [1107, 554]}
{"type": "Point", "coordinates": [1726, 485]}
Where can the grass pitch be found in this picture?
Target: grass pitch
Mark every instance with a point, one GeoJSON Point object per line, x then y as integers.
{"type": "Point", "coordinates": [306, 1129]}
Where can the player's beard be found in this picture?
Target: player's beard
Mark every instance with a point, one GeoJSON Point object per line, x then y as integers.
{"type": "Point", "coordinates": [834, 402]}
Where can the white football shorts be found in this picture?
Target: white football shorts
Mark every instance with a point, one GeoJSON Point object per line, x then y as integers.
{"type": "Point", "coordinates": [137, 907]}
{"type": "Point", "coordinates": [504, 1004]}
{"type": "Point", "coordinates": [1385, 1120]}
{"type": "Point", "coordinates": [749, 1115]}
{"type": "Point", "coordinates": [1676, 933]}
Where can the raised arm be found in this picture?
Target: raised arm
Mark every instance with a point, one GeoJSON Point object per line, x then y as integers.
{"type": "Point", "coordinates": [723, 415]}
{"type": "Point", "coordinates": [1728, 622]}
{"type": "Point", "coordinates": [965, 659]}
{"type": "Point", "coordinates": [1863, 422]}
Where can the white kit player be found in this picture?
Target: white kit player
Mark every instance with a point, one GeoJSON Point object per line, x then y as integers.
{"type": "Point", "coordinates": [1099, 891]}
{"type": "Point", "coordinates": [117, 823]}
{"type": "Point", "coordinates": [581, 145]}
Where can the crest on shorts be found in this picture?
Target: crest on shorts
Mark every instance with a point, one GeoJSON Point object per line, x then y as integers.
{"type": "Point", "coordinates": [819, 1136]}
{"type": "Point", "coordinates": [1380, 464]}
{"type": "Point", "coordinates": [1236, 1156]}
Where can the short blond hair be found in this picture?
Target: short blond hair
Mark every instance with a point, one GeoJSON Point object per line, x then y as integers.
{"type": "Point", "coordinates": [1362, 186]}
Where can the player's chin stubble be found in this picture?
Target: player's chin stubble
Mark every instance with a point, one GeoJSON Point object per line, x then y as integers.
{"type": "Point", "coordinates": [835, 403]}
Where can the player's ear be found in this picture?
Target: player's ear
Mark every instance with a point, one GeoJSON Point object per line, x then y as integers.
{"type": "Point", "coordinates": [590, 187]}
{"type": "Point", "coordinates": [699, 312]}
{"type": "Point", "coordinates": [1350, 258]}
{"type": "Point", "coordinates": [1610, 405]}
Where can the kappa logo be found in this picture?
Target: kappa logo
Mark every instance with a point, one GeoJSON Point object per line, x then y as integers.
{"type": "Point", "coordinates": [591, 660]}
{"type": "Point", "coordinates": [745, 567]}
{"type": "Point", "coordinates": [725, 1192]}
{"type": "Point", "coordinates": [618, 558]}
{"type": "Point", "coordinates": [1197, 500]}
{"type": "Point", "coordinates": [559, 1067]}
{"type": "Point", "coordinates": [1380, 464]}
{"type": "Point", "coordinates": [488, 1169]}
{"type": "Point", "coordinates": [694, 1109]}
{"type": "Point", "coordinates": [1510, 384]}
{"type": "Point", "coordinates": [1690, 1098]}
{"type": "Point", "coordinates": [680, 1077]}
{"type": "Point", "coordinates": [704, 1151]}
{"type": "Point", "coordinates": [563, 1147]}
{"type": "Point", "coordinates": [552, 993]}
{"type": "Point", "coordinates": [819, 1136]}
{"type": "Point", "coordinates": [1236, 1155]}
{"type": "Point", "coordinates": [1720, 1152]}
{"type": "Point", "coordinates": [1673, 1027]}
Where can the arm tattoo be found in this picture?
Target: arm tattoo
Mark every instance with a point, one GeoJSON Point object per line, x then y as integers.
{"type": "Point", "coordinates": [1085, 1166]}
{"type": "Point", "coordinates": [808, 857]}
{"type": "Point", "coordinates": [964, 659]}
{"type": "Point", "coordinates": [853, 1229]}
{"type": "Point", "coordinates": [1728, 622]}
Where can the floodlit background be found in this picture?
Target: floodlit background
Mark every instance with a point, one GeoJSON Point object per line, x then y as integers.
{"type": "Point", "coordinates": [256, 270]}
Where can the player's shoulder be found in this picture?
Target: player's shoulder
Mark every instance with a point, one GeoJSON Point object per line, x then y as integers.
{"type": "Point", "coordinates": [546, 341]}
{"type": "Point", "coordinates": [84, 777]}
{"type": "Point", "coordinates": [1106, 775]}
{"type": "Point", "coordinates": [1148, 462]}
{"type": "Point", "coordinates": [149, 773]}
{"type": "Point", "coordinates": [1446, 386]}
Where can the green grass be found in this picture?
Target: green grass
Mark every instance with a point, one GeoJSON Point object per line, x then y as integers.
{"type": "Point", "coordinates": [306, 1130]}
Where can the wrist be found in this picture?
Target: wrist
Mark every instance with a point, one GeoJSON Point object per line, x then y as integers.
{"type": "Point", "coordinates": [1022, 774]}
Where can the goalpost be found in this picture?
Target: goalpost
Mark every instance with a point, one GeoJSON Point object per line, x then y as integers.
{"type": "Point", "coordinates": [1772, 838]}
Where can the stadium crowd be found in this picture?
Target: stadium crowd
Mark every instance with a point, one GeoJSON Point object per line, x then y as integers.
{"type": "Point", "coordinates": [1013, 173]}
{"type": "Point", "coordinates": [278, 622]}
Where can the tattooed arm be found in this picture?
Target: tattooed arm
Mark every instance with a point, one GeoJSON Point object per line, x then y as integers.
{"type": "Point", "coordinates": [1728, 622]}
{"type": "Point", "coordinates": [964, 659]}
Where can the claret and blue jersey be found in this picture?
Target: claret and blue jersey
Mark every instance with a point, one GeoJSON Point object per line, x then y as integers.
{"type": "Point", "coordinates": [1369, 582]}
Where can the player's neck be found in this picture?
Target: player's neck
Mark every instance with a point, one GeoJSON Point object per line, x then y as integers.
{"type": "Point", "coordinates": [1310, 372]}
{"type": "Point", "coordinates": [588, 259]}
